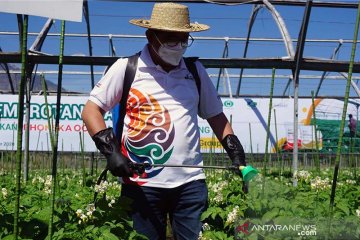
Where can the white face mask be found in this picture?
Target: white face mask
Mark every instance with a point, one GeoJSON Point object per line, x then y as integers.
{"type": "Point", "coordinates": [171, 55]}
{"type": "Point", "coordinates": [171, 52]}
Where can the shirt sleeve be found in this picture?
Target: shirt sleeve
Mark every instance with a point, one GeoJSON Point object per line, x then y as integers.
{"type": "Point", "coordinates": [107, 92]}
{"type": "Point", "coordinates": [210, 102]}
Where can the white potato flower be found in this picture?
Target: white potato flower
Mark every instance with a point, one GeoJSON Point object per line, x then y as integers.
{"type": "Point", "coordinates": [232, 215]}
{"type": "Point", "coordinates": [4, 192]}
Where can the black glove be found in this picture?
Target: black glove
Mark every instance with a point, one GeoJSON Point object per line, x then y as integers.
{"type": "Point", "coordinates": [108, 145]}
{"type": "Point", "coordinates": [235, 151]}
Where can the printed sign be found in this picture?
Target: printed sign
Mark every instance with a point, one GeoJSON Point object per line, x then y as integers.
{"type": "Point", "coordinates": [71, 127]}
{"type": "Point", "coordinates": [248, 118]}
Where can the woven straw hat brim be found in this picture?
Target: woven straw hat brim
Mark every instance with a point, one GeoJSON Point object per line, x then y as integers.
{"type": "Point", "coordinates": [193, 27]}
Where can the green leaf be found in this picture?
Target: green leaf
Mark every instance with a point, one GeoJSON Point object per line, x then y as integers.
{"type": "Point", "coordinates": [270, 215]}
{"type": "Point", "coordinates": [136, 236]}
{"type": "Point", "coordinates": [109, 236]}
{"type": "Point", "coordinates": [211, 211]}
{"type": "Point", "coordinates": [252, 236]}
{"type": "Point", "coordinates": [343, 207]}
{"type": "Point", "coordinates": [89, 228]}
{"type": "Point", "coordinates": [95, 230]}
{"type": "Point", "coordinates": [8, 237]}
{"type": "Point", "coordinates": [43, 215]}
{"type": "Point", "coordinates": [213, 215]}
{"type": "Point", "coordinates": [220, 235]}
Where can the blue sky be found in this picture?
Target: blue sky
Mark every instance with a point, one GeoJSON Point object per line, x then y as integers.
{"type": "Point", "coordinates": [111, 17]}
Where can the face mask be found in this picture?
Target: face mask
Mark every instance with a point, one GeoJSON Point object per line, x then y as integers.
{"type": "Point", "coordinates": [171, 55]}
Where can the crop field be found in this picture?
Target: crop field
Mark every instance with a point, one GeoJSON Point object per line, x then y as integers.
{"type": "Point", "coordinates": [271, 209]}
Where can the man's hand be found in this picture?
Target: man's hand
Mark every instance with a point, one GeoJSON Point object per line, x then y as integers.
{"type": "Point", "coordinates": [107, 144]}
{"type": "Point", "coordinates": [235, 151]}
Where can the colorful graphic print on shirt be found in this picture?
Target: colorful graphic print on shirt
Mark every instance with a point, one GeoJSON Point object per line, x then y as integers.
{"type": "Point", "coordinates": [150, 133]}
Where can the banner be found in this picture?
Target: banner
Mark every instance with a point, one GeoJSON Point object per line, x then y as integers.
{"type": "Point", "coordinates": [248, 118]}
{"type": "Point", "coordinates": [71, 127]}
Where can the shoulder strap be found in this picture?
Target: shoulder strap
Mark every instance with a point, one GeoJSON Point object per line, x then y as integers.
{"type": "Point", "coordinates": [190, 64]}
{"type": "Point", "coordinates": [119, 110]}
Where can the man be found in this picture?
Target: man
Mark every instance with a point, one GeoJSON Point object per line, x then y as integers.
{"type": "Point", "coordinates": [352, 126]}
{"type": "Point", "coordinates": [161, 127]}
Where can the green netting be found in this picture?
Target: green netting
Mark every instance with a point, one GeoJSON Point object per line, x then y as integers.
{"type": "Point", "coordinates": [330, 136]}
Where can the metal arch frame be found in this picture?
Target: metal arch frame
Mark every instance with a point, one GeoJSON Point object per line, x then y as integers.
{"type": "Point", "coordinates": [353, 84]}
{"type": "Point", "coordinates": [87, 20]}
{"type": "Point", "coordinates": [333, 56]}
{"type": "Point", "coordinates": [223, 73]}
{"type": "Point", "coordinates": [287, 85]}
{"type": "Point", "coordinates": [282, 28]}
{"type": "Point", "coordinates": [344, 74]}
{"type": "Point", "coordinates": [111, 46]}
{"type": "Point", "coordinates": [331, 4]}
{"type": "Point", "coordinates": [312, 64]}
{"type": "Point", "coordinates": [253, 15]}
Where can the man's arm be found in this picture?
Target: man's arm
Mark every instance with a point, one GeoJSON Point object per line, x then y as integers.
{"type": "Point", "coordinates": [93, 117]}
{"type": "Point", "coordinates": [105, 139]}
{"type": "Point", "coordinates": [224, 132]}
{"type": "Point", "coordinates": [221, 126]}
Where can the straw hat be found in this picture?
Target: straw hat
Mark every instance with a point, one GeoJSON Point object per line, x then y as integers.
{"type": "Point", "coordinates": [171, 17]}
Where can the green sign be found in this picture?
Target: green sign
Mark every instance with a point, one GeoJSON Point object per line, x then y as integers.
{"type": "Point", "coordinates": [228, 103]}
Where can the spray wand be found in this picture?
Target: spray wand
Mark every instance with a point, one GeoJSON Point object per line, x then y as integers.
{"type": "Point", "coordinates": [247, 172]}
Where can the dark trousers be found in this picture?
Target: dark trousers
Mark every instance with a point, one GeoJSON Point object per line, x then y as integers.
{"type": "Point", "coordinates": [183, 204]}
{"type": "Point", "coordinates": [352, 134]}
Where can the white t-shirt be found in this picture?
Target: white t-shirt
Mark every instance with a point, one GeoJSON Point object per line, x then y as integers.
{"type": "Point", "coordinates": [161, 124]}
